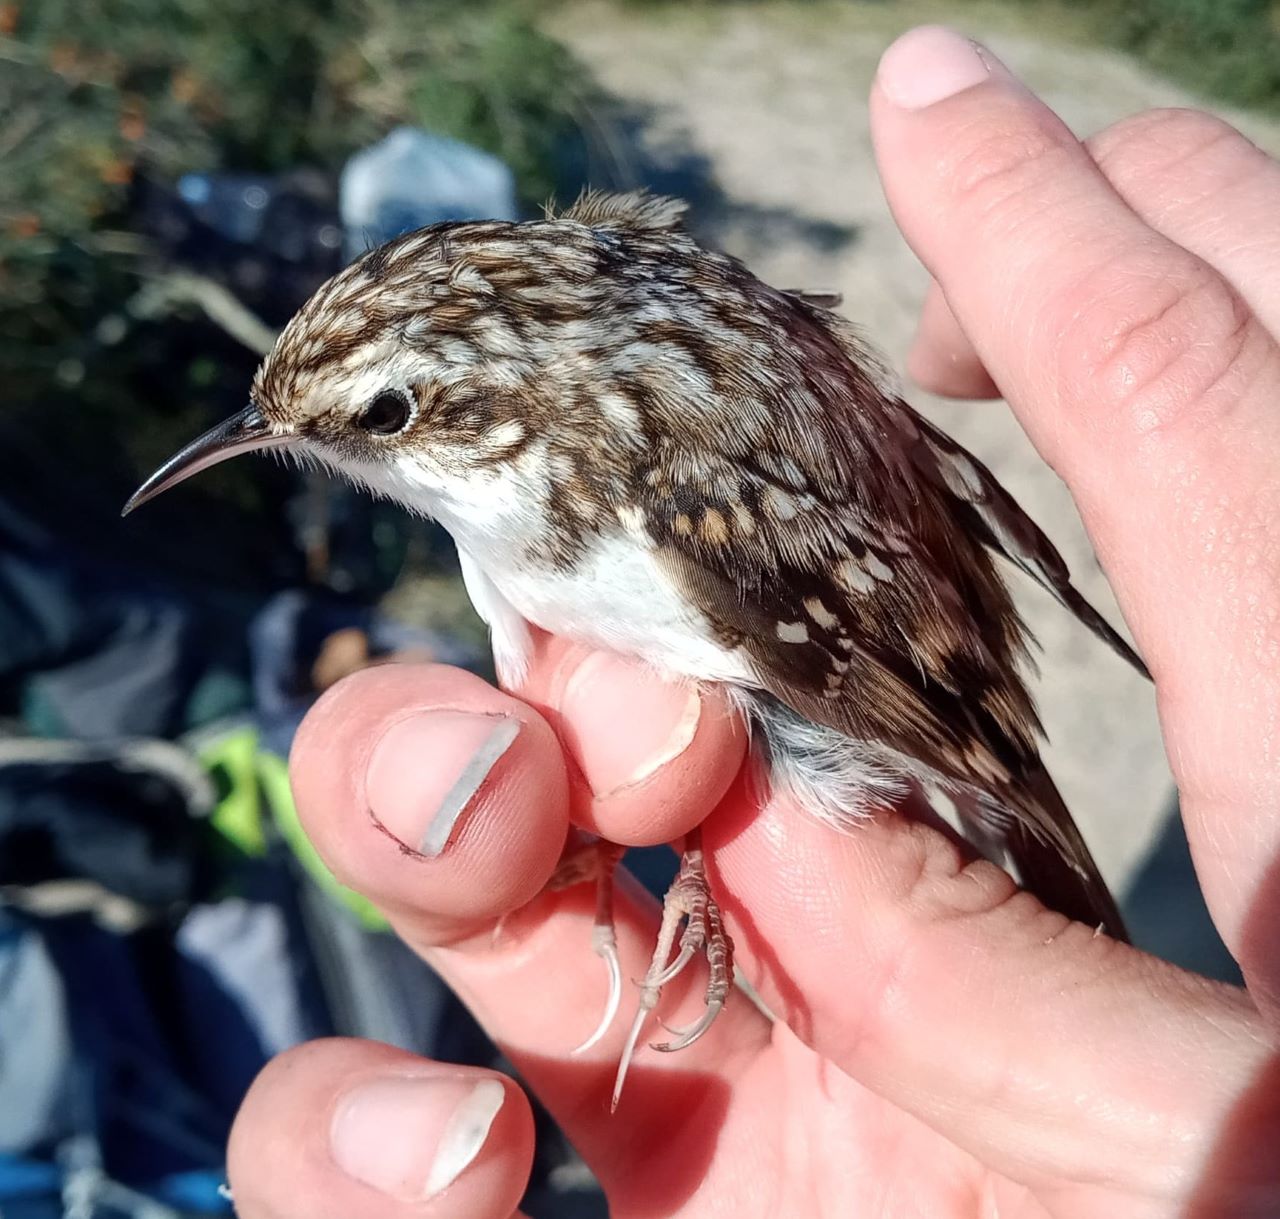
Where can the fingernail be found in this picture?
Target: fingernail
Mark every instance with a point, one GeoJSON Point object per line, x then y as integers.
{"type": "Point", "coordinates": [622, 721]}
{"type": "Point", "coordinates": [426, 769]}
{"type": "Point", "coordinates": [931, 63]}
{"type": "Point", "coordinates": [413, 1137]}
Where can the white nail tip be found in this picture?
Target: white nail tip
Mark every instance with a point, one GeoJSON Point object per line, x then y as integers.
{"type": "Point", "coordinates": [505, 731]}
{"type": "Point", "coordinates": [465, 1133]}
{"type": "Point", "coordinates": [681, 738]}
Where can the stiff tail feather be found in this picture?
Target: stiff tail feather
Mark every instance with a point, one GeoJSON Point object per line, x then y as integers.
{"type": "Point", "coordinates": [1061, 872]}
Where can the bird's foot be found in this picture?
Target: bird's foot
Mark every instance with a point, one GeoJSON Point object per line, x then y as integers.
{"type": "Point", "coordinates": [690, 899]}
{"type": "Point", "coordinates": [596, 860]}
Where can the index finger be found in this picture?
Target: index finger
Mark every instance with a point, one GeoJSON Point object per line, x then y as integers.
{"type": "Point", "coordinates": [1145, 381]}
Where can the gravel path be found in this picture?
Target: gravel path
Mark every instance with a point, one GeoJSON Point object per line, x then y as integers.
{"type": "Point", "coordinates": [759, 114]}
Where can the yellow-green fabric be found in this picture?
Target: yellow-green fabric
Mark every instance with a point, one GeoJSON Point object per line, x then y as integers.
{"type": "Point", "coordinates": [257, 783]}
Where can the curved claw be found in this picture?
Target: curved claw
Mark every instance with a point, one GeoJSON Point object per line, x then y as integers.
{"type": "Point", "coordinates": [606, 948]}
{"type": "Point", "coordinates": [633, 1036]}
{"type": "Point", "coordinates": [685, 1037]}
{"type": "Point", "coordinates": [683, 957]}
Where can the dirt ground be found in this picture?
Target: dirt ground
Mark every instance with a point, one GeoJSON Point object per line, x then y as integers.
{"type": "Point", "coordinates": [758, 113]}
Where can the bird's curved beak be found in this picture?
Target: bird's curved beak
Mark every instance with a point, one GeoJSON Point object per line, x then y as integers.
{"type": "Point", "coordinates": [247, 431]}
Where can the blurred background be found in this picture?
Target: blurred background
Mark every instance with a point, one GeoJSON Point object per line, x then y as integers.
{"type": "Point", "coordinates": [176, 177]}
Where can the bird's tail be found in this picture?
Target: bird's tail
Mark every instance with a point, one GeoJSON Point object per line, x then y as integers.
{"type": "Point", "coordinates": [1061, 871]}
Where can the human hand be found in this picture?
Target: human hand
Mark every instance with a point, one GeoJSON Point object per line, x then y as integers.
{"type": "Point", "coordinates": [945, 1045]}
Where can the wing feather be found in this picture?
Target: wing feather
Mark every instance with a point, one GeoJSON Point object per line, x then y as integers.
{"type": "Point", "coordinates": [847, 549]}
{"type": "Point", "coordinates": [993, 515]}
{"type": "Point", "coordinates": [886, 642]}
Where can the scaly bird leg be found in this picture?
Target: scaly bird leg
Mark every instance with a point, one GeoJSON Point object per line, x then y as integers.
{"type": "Point", "coordinates": [596, 860]}
{"type": "Point", "coordinates": [689, 898]}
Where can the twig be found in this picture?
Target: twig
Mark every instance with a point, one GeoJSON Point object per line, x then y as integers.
{"type": "Point", "coordinates": [219, 304]}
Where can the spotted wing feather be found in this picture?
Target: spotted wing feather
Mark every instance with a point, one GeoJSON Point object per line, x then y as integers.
{"type": "Point", "coordinates": [854, 632]}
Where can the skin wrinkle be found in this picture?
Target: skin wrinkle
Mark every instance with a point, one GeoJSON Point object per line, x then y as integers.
{"type": "Point", "coordinates": [1247, 335]}
{"type": "Point", "coordinates": [1124, 154]}
{"type": "Point", "coordinates": [929, 858]}
{"type": "Point", "coordinates": [1185, 136]}
{"type": "Point", "coordinates": [980, 157]}
{"type": "Point", "coordinates": [1014, 207]}
{"type": "Point", "coordinates": [887, 989]}
{"type": "Point", "coordinates": [1128, 350]}
{"type": "Point", "coordinates": [1223, 368]}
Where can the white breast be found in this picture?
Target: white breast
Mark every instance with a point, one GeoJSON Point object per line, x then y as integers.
{"type": "Point", "coordinates": [615, 596]}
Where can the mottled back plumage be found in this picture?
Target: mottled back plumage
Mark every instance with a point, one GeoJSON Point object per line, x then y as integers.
{"type": "Point", "coordinates": [636, 442]}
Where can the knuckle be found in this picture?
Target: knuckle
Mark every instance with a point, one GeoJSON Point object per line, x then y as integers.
{"type": "Point", "coordinates": [1156, 144]}
{"type": "Point", "coordinates": [1000, 170]}
{"type": "Point", "coordinates": [1146, 347]}
{"type": "Point", "coordinates": [939, 890]}
{"type": "Point", "coordinates": [950, 887]}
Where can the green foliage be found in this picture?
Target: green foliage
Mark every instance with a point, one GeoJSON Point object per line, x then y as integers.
{"type": "Point", "coordinates": [1228, 50]}
{"type": "Point", "coordinates": [91, 91]}
{"type": "Point", "coordinates": [1224, 50]}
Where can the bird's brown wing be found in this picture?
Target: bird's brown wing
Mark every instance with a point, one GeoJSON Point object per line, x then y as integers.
{"type": "Point", "coordinates": [981, 505]}
{"type": "Point", "coordinates": [897, 631]}
{"type": "Point", "coordinates": [988, 512]}
{"type": "Point", "coordinates": [888, 638]}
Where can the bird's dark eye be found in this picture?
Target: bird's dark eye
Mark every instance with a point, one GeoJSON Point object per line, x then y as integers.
{"type": "Point", "coordinates": [386, 415]}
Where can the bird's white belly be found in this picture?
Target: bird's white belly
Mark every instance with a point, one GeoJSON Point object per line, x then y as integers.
{"type": "Point", "coordinates": [617, 597]}
{"type": "Point", "coordinates": [614, 595]}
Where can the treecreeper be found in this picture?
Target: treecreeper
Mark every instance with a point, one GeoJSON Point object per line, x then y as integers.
{"type": "Point", "coordinates": [637, 444]}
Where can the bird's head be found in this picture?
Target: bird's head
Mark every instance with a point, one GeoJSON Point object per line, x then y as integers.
{"type": "Point", "coordinates": [402, 369]}
{"type": "Point", "coordinates": [442, 354]}
{"type": "Point", "coordinates": [552, 353]}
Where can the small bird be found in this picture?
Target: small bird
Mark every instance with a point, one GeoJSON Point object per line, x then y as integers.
{"type": "Point", "coordinates": [637, 444]}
